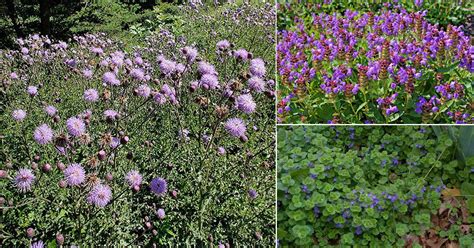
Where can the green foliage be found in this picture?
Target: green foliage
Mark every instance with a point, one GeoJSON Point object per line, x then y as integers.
{"type": "Point", "coordinates": [357, 186]}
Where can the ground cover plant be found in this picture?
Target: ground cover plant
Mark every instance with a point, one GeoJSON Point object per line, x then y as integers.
{"type": "Point", "coordinates": [163, 144]}
{"type": "Point", "coordinates": [375, 187]}
{"type": "Point", "coordinates": [389, 66]}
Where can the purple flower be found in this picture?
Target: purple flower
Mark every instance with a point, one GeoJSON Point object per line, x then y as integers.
{"type": "Point", "coordinates": [43, 134]}
{"type": "Point", "coordinates": [252, 194]}
{"type": "Point", "coordinates": [75, 126]}
{"type": "Point", "coordinates": [180, 68]}
{"type": "Point", "coordinates": [241, 54]}
{"type": "Point", "coordinates": [74, 174]}
{"type": "Point", "coordinates": [223, 45]}
{"type": "Point", "coordinates": [246, 104]}
{"type": "Point", "coordinates": [137, 74]}
{"type": "Point", "coordinates": [235, 127]}
{"type": "Point", "coordinates": [257, 67]}
{"type": "Point", "coordinates": [13, 75]}
{"type": "Point", "coordinates": [391, 110]}
{"type": "Point", "coordinates": [114, 143]}
{"type": "Point", "coordinates": [159, 98]}
{"type": "Point", "coordinates": [190, 53]}
{"type": "Point", "coordinates": [167, 67]}
{"type": "Point", "coordinates": [87, 73]}
{"type": "Point", "coordinates": [37, 244]}
{"type": "Point", "coordinates": [209, 81]}
{"type": "Point", "coordinates": [256, 84]}
{"type": "Point", "coordinates": [110, 78]}
{"type": "Point", "coordinates": [100, 195]}
{"type": "Point", "coordinates": [97, 50]}
{"type": "Point", "coordinates": [32, 90]}
{"type": "Point", "coordinates": [91, 95]}
{"type": "Point", "coordinates": [221, 150]}
{"type": "Point", "coordinates": [19, 114]}
{"type": "Point", "coordinates": [418, 3]}
{"type": "Point", "coordinates": [161, 213]}
{"type": "Point", "coordinates": [159, 186]}
{"type": "Point", "coordinates": [143, 91]}
{"type": "Point", "coordinates": [133, 178]}
{"type": "Point", "coordinates": [50, 110]}
{"type": "Point", "coordinates": [206, 68]}
{"type": "Point", "coordinates": [24, 179]}
{"type": "Point", "coordinates": [110, 114]}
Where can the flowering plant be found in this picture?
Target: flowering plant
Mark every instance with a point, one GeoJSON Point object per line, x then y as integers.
{"type": "Point", "coordinates": [377, 187]}
{"type": "Point", "coordinates": [390, 67]}
{"type": "Point", "coordinates": [167, 143]}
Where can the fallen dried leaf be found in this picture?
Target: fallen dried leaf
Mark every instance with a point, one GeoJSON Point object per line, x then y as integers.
{"type": "Point", "coordinates": [451, 192]}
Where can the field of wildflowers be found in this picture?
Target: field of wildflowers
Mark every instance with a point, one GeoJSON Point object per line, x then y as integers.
{"type": "Point", "coordinates": [356, 66]}
{"type": "Point", "coordinates": [341, 186]}
{"type": "Point", "coordinates": [167, 143]}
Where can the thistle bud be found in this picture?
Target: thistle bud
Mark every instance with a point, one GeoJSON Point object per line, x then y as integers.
{"type": "Point", "coordinates": [46, 167]}
{"type": "Point", "coordinates": [59, 239]}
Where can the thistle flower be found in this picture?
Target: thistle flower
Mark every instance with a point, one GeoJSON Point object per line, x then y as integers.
{"type": "Point", "coordinates": [133, 178]}
{"type": "Point", "coordinates": [246, 104]}
{"type": "Point", "coordinates": [160, 213]}
{"type": "Point", "coordinates": [74, 174]}
{"type": "Point", "coordinates": [24, 179]}
{"type": "Point", "coordinates": [235, 127]}
{"type": "Point", "coordinates": [110, 114]}
{"type": "Point", "coordinates": [43, 134]}
{"type": "Point", "coordinates": [159, 98]}
{"type": "Point", "coordinates": [190, 53]}
{"type": "Point", "coordinates": [206, 68]}
{"type": "Point", "coordinates": [143, 91]}
{"type": "Point", "coordinates": [13, 75]}
{"type": "Point", "coordinates": [221, 150]}
{"type": "Point", "coordinates": [167, 67]}
{"type": "Point", "coordinates": [75, 126]}
{"type": "Point", "coordinates": [241, 54]}
{"type": "Point", "coordinates": [87, 73]}
{"type": "Point", "coordinates": [114, 143]}
{"type": "Point", "coordinates": [50, 110]}
{"type": "Point", "coordinates": [257, 67]}
{"type": "Point", "coordinates": [32, 90]}
{"type": "Point", "coordinates": [159, 186]}
{"type": "Point", "coordinates": [256, 84]}
{"type": "Point", "coordinates": [110, 78]}
{"type": "Point", "coordinates": [223, 45]}
{"type": "Point", "coordinates": [209, 81]}
{"type": "Point", "coordinates": [252, 194]}
{"type": "Point", "coordinates": [137, 74]}
{"type": "Point", "coordinates": [37, 244]}
{"type": "Point", "coordinates": [19, 114]}
{"type": "Point", "coordinates": [100, 195]}
{"type": "Point", "coordinates": [91, 95]}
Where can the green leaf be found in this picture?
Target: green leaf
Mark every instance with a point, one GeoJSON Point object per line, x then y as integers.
{"type": "Point", "coordinates": [448, 68]}
{"type": "Point", "coordinates": [347, 238]}
{"type": "Point", "coordinates": [302, 231]}
{"type": "Point", "coordinates": [361, 106]}
{"type": "Point", "coordinates": [401, 229]}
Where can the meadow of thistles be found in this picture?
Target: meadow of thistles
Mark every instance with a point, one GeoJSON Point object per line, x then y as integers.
{"type": "Point", "coordinates": [151, 145]}
{"type": "Point", "coordinates": [386, 67]}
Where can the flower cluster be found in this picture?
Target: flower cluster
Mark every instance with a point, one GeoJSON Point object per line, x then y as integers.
{"type": "Point", "coordinates": [357, 59]}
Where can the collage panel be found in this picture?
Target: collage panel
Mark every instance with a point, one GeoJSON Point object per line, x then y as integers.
{"type": "Point", "coordinates": [137, 124]}
{"type": "Point", "coordinates": [398, 62]}
{"type": "Point", "coordinates": [377, 186]}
